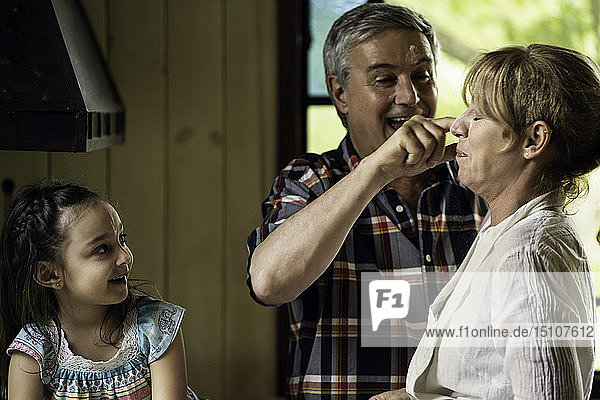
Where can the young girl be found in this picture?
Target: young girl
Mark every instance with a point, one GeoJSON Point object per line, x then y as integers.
{"type": "Point", "coordinates": [71, 325]}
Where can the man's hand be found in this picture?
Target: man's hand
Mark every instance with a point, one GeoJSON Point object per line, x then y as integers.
{"type": "Point", "coordinates": [392, 395]}
{"type": "Point", "coordinates": [417, 146]}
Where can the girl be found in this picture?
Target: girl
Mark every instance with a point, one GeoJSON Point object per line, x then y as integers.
{"type": "Point", "coordinates": [71, 325]}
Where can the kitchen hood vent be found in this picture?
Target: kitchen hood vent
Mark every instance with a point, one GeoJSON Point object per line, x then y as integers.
{"type": "Point", "coordinates": [56, 93]}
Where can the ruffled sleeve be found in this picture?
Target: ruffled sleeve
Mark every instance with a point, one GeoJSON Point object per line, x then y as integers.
{"type": "Point", "coordinates": [31, 342]}
{"type": "Point", "coordinates": [158, 323]}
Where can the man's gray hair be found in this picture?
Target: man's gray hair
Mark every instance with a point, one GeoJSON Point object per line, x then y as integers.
{"type": "Point", "coordinates": [363, 22]}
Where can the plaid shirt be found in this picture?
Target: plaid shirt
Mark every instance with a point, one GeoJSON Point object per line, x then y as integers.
{"type": "Point", "coordinates": [326, 359]}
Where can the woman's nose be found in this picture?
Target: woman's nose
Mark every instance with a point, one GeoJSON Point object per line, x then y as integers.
{"type": "Point", "coordinates": [459, 126]}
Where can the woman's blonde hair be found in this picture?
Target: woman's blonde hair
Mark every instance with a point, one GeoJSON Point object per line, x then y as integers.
{"type": "Point", "coordinates": [519, 85]}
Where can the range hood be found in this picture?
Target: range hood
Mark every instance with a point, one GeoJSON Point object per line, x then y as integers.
{"type": "Point", "coordinates": [56, 93]}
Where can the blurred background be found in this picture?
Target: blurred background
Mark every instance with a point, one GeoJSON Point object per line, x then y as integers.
{"type": "Point", "coordinates": [219, 94]}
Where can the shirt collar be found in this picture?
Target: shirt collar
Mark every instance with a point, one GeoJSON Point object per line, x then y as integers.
{"type": "Point", "coordinates": [349, 155]}
{"type": "Point", "coordinates": [549, 200]}
{"type": "Point", "coordinates": [483, 245]}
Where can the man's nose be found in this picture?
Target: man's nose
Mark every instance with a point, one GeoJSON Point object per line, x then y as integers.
{"type": "Point", "coordinates": [405, 93]}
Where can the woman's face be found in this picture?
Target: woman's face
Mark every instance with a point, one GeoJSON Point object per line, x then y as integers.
{"type": "Point", "coordinates": [487, 165]}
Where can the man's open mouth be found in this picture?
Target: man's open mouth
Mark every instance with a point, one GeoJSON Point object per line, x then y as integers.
{"type": "Point", "coordinates": [397, 122]}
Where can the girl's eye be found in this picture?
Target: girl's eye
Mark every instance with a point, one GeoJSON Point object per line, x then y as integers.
{"type": "Point", "coordinates": [122, 238]}
{"type": "Point", "coordinates": [102, 249]}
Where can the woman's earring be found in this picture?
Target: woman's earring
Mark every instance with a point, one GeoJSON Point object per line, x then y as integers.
{"type": "Point", "coordinates": [58, 285]}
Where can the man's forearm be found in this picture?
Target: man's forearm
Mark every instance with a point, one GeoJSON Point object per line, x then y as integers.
{"type": "Point", "coordinates": [295, 254]}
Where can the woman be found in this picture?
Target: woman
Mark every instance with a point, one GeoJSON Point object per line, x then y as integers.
{"type": "Point", "coordinates": [528, 137]}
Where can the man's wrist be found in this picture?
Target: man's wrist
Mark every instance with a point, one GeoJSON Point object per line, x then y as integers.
{"type": "Point", "coordinates": [375, 172]}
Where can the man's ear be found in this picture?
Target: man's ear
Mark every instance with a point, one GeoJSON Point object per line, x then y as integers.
{"type": "Point", "coordinates": [338, 93]}
{"type": "Point", "coordinates": [46, 274]}
{"type": "Point", "coordinates": [537, 139]}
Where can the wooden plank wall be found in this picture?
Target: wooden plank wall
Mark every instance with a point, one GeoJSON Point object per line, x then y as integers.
{"type": "Point", "coordinates": [198, 79]}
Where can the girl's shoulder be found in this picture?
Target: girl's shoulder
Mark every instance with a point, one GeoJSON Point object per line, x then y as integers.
{"type": "Point", "coordinates": [158, 323]}
{"type": "Point", "coordinates": [40, 343]}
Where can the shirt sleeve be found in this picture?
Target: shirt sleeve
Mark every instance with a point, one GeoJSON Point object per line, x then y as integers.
{"type": "Point", "coordinates": [31, 342]}
{"type": "Point", "coordinates": [543, 366]}
{"type": "Point", "coordinates": [158, 323]}
{"type": "Point", "coordinates": [295, 187]}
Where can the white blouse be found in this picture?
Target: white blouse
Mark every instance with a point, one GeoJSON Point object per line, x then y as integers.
{"type": "Point", "coordinates": [518, 258]}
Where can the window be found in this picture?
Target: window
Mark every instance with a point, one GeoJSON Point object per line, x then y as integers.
{"type": "Point", "coordinates": [324, 130]}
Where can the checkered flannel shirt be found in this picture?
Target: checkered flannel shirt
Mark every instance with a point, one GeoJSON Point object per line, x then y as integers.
{"type": "Point", "coordinates": [326, 359]}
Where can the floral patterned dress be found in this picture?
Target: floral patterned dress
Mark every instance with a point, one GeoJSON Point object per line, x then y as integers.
{"type": "Point", "coordinates": [148, 331]}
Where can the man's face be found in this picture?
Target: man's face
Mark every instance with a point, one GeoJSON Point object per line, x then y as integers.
{"type": "Point", "coordinates": [391, 79]}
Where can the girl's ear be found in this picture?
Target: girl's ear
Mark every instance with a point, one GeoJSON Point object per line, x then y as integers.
{"type": "Point", "coordinates": [46, 274]}
{"type": "Point", "coordinates": [538, 139]}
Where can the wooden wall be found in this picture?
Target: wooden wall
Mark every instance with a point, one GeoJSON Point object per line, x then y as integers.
{"type": "Point", "coordinates": [198, 79]}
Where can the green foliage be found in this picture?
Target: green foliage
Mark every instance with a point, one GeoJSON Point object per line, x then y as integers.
{"type": "Point", "coordinates": [494, 23]}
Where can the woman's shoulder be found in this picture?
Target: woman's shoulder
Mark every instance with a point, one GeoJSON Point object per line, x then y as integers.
{"type": "Point", "coordinates": [548, 237]}
{"type": "Point", "coordinates": [538, 227]}
{"type": "Point", "coordinates": [158, 323]}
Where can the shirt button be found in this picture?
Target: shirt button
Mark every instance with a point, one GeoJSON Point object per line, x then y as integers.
{"type": "Point", "coordinates": [428, 258]}
{"type": "Point", "coordinates": [399, 208]}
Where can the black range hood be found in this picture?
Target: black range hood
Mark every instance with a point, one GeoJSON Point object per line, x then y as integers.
{"type": "Point", "coordinates": [56, 93]}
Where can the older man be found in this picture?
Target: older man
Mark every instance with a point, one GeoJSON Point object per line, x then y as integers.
{"type": "Point", "coordinates": [385, 200]}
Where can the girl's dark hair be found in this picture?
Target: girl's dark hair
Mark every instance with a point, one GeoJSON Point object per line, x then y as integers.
{"type": "Point", "coordinates": [35, 230]}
